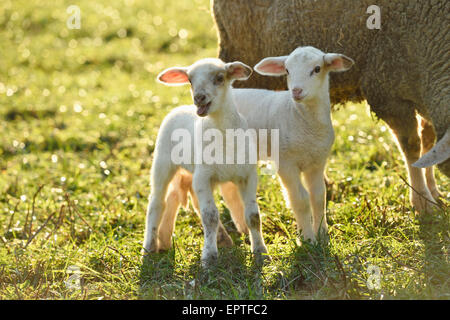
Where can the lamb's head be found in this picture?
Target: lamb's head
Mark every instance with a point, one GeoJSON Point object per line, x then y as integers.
{"type": "Point", "coordinates": [210, 81]}
{"type": "Point", "coordinates": [307, 70]}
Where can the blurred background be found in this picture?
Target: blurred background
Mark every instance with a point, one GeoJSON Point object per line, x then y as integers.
{"type": "Point", "coordinates": [79, 113]}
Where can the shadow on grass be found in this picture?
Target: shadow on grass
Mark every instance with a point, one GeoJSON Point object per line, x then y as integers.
{"type": "Point", "coordinates": [311, 271]}
{"type": "Point", "coordinates": [235, 276]}
{"type": "Point", "coordinates": [434, 230]}
{"type": "Point", "coordinates": [156, 271]}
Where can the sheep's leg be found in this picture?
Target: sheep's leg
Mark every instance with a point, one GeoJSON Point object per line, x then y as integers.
{"type": "Point", "coordinates": [405, 129]}
{"type": "Point", "coordinates": [210, 217]}
{"type": "Point", "coordinates": [298, 198]}
{"type": "Point", "coordinates": [428, 138]}
{"type": "Point", "coordinates": [248, 193]}
{"type": "Point", "coordinates": [316, 186]}
{"type": "Point", "coordinates": [223, 238]}
{"type": "Point", "coordinates": [233, 200]}
{"type": "Point", "coordinates": [162, 174]}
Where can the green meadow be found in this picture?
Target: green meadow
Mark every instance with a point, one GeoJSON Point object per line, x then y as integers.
{"type": "Point", "coordinates": [79, 114]}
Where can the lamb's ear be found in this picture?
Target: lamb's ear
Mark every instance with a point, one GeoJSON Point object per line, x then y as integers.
{"type": "Point", "coordinates": [272, 66]}
{"type": "Point", "coordinates": [336, 62]}
{"type": "Point", "coordinates": [174, 77]}
{"type": "Point", "coordinates": [238, 71]}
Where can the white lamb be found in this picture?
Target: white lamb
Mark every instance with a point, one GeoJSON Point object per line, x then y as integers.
{"type": "Point", "coordinates": [214, 107]}
{"type": "Point", "coordinates": [303, 116]}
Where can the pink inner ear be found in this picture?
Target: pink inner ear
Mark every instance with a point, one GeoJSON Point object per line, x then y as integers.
{"type": "Point", "coordinates": [174, 76]}
{"type": "Point", "coordinates": [237, 72]}
{"type": "Point", "coordinates": [272, 67]}
{"type": "Point", "coordinates": [337, 63]}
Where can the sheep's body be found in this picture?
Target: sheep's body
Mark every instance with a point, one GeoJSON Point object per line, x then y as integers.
{"type": "Point", "coordinates": [400, 69]}
{"type": "Point", "coordinates": [170, 179]}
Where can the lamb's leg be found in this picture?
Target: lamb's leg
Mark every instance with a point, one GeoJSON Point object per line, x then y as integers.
{"type": "Point", "coordinates": [162, 174]}
{"type": "Point", "coordinates": [176, 197]}
{"type": "Point", "coordinates": [248, 193]}
{"type": "Point", "coordinates": [210, 217]}
{"type": "Point", "coordinates": [316, 186]}
{"type": "Point", "coordinates": [233, 200]}
{"type": "Point", "coordinates": [405, 129]}
{"type": "Point", "coordinates": [298, 198]}
{"type": "Point", "coordinates": [428, 138]}
{"type": "Point", "coordinates": [223, 238]}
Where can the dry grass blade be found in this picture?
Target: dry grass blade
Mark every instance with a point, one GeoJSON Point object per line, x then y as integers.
{"type": "Point", "coordinates": [39, 230]}
{"type": "Point", "coordinates": [124, 257]}
{"type": "Point", "coordinates": [341, 269]}
{"type": "Point", "coordinates": [398, 262]}
{"type": "Point", "coordinates": [30, 228]}
{"type": "Point", "coordinates": [12, 216]}
{"type": "Point", "coordinates": [59, 222]}
{"type": "Point", "coordinates": [75, 210]}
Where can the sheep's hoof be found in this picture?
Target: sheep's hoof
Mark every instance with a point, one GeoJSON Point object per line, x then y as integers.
{"type": "Point", "coordinates": [424, 204]}
{"type": "Point", "coordinates": [437, 196]}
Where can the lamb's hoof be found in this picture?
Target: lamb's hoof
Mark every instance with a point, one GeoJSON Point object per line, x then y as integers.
{"type": "Point", "coordinates": [209, 261]}
{"type": "Point", "coordinates": [224, 240]}
{"type": "Point", "coordinates": [310, 239]}
{"type": "Point", "coordinates": [164, 246]}
{"type": "Point", "coordinates": [149, 249]}
{"type": "Point", "coordinates": [145, 254]}
{"type": "Point", "coordinates": [262, 258]}
{"type": "Point", "coordinates": [323, 237]}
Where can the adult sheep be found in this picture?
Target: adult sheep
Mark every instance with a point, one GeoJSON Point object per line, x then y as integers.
{"type": "Point", "coordinates": [400, 69]}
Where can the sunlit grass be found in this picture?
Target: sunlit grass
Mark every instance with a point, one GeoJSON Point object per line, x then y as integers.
{"type": "Point", "coordinates": [79, 114]}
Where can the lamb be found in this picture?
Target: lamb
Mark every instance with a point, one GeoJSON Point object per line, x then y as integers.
{"type": "Point", "coordinates": [402, 69]}
{"type": "Point", "coordinates": [303, 116]}
{"type": "Point", "coordinates": [214, 108]}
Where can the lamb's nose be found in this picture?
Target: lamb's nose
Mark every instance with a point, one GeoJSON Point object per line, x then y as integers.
{"type": "Point", "coordinates": [297, 92]}
{"type": "Point", "coordinates": [199, 98]}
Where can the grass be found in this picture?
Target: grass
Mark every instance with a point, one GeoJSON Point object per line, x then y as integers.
{"type": "Point", "coordinates": [79, 114]}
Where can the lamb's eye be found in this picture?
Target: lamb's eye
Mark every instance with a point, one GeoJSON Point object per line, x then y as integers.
{"type": "Point", "coordinates": [317, 69]}
{"type": "Point", "coordinates": [219, 79]}
{"type": "Point", "coordinates": [287, 71]}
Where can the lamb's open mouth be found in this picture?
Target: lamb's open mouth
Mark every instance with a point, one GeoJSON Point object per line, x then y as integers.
{"type": "Point", "coordinates": [202, 110]}
{"type": "Point", "coordinates": [299, 98]}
